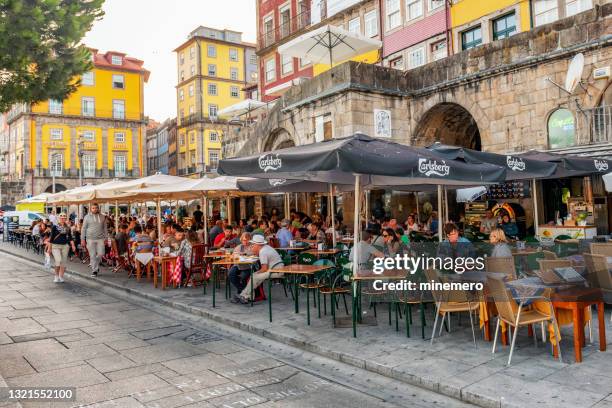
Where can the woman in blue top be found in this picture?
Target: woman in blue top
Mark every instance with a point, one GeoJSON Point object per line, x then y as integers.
{"type": "Point", "coordinates": [509, 226]}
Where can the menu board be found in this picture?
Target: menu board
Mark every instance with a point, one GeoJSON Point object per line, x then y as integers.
{"type": "Point", "coordinates": [509, 189]}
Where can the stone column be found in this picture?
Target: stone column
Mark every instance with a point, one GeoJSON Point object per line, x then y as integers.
{"type": "Point", "coordinates": [104, 148]}
{"type": "Point", "coordinates": [243, 208]}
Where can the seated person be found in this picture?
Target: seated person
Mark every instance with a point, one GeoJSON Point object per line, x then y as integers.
{"type": "Point", "coordinates": [488, 223]}
{"type": "Point", "coordinates": [268, 259]}
{"type": "Point", "coordinates": [221, 239]}
{"type": "Point", "coordinates": [260, 228]}
{"type": "Point", "coordinates": [455, 246]}
{"type": "Point", "coordinates": [283, 235]}
{"type": "Point", "coordinates": [501, 248]}
{"type": "Point", "coordinates": [239, 274]}
{"type": "Point", "coordinates": [393, 245]}
{"type": "Point", "coordinates": [143, 248]}
{"type": "Point", "coordinates": [366, 250]}
{"type": "Point", "coordinates": [411, 225]}
{"type": "Point", "coordinates": [179, 237]}
{"type": "Point", "coordinates": [315, 233]}
{"type": "Point", "coordinates": [509, 226]}
{"type": "Point", "coordinates": [187, 240]}
{"type": "Point", "coordinates": [169, 238]}
{"type": "Point", "coordinates": [121, 238]}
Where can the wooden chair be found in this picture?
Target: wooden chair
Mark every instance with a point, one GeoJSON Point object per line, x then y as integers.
{"type": "Point", "coordinates": [549, 255]}
{"type": "Point", "coordinates": [548, 264]}
{"type": "Point", "coordinates": [513, 314]}
{"type": "Point", "coordinates": [121, 260]}
{"type": "Point", "coordinates": [461, 302]}
{"type": "Point", "coordinates": [599, 275]}
{"type": "Point", "coordinates": [601, 248]}
{"type": "Point", "coordinates": [501, 264]}
{"type": "Point", "coordinates": [198, 266]}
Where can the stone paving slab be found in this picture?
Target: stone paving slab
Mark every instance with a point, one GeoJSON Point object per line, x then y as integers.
{"type": "Point", "coordinates": [452, 366]}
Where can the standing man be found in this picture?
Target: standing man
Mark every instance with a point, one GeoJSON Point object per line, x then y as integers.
{"type": "Point", "coordinates": [197, 215]}
{"type": "Point", "coordinates": [93, 235]}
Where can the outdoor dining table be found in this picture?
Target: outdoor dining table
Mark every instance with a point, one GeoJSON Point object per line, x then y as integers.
{"type": "Point", "coordinates": [296, 271]}
{"type": "Point", "coordinates": [166, 262]}
{"type": "Point", "coordinates": [576, 299]}
{"type": "Point", "coordinates": [323, 252]}
{"type": "Point", "coordinates": [228, 262]}
{"type": "Point", "coordinates": [209, 258]}
{"type": "Point", "coordinates": [368, 275]}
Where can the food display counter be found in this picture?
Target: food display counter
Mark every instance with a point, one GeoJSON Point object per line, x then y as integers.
{"type": "Point", "coordinates": [575, 232]}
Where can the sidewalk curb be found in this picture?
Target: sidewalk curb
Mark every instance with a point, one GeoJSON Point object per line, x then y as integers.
{"type": "Point", "coordinates": [415, 380]}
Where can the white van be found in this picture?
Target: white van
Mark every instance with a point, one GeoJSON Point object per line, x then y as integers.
{"type": "Point", "coordinates": [25, 217]}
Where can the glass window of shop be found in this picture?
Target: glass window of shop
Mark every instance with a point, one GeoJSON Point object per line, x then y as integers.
{"type": "Point", "coordinates": [561, 129]}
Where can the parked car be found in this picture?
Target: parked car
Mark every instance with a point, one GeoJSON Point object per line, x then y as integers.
{"type": "Point", "coordinates": [25, 217]}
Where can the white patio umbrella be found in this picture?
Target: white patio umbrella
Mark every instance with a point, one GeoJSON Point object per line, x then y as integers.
{"type": "Point", "coordinates": [40, 198]}
{"type": "Point", "coordinates": [329, 44]}
{"type": "Point", "coordinates": [241, 108]}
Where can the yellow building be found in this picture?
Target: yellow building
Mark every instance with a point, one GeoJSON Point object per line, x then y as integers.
{"type": "Point", "coordinates": [476, 22]}
{"type": "Point", "coordinates": [101, 125]}
{"type": "Point", "coordinates": [213, 67]}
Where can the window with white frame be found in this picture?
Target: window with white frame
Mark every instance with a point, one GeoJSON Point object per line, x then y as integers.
{"type": "Point", "coordinates": [56, 164]}
{"type": "Point", "coordinates": [212, 110]}
{"type": "Point", "coordinates": [213, 159]}
{"type": "Point", "coordinates": [56, 133]}
{"type": "Point", "coordinates": [88, 78]}
{"type": "Point", "coordinates": [191, 109]}
{"type": "Point", "coordinates": [546, 11]}
{"type": "Point", "coordinates": [212, 89]}
{"type": "Point", "coordinates": [192, 137]}
{"type": "Point", "coordinates": [119, 137]}
{"type": "Point", "coordinates": [354, 25]}
{"type": "Point", "coordinates": [287, 64]}
{"type": "Point", "coordinates": [233, 54]}
{"type": "Point", "coordinates": [192, 70]}
{"type": "Point", "coordinates": [394, 17]}
{"type": "Point", "coordinates": [234, 92]}
{"type": "Point", "coordinates": [211, 51]}
{"type": "Point", "coordinates": [213, 136]}
{"type": "Point", "coordinates": [270, 70]}
{"type": "Point", "coordinates": [212, 70]}
{"type": "Point", "coordinates": [182, 75]}
{"type": "Point", "coordinates": [434, 4]}
{"type": "Point", "coordinates": [116, 60]}
{"type": "Point", "coordinates": [304, 62]}
{"type": "Point", "coordinates": [234, 74]}
{"type": "Point", "coordinates": [118, 109]}
{"type": "Point", "coordinates": [414, 9]}
{"type": "Point", "coordinates": [182, 58]}
{"type": "Point", "coordinates": [182, 113]}
{"type": "Point", "coordinates": [88, 106]}
{"type": "Point", "coordinates": [397, 63]}
{"type": "Point", "coordinates": [192, 156]}
{"type": "Point", "coordinates": [120, 165]}
{"type": "Point", "coordinates": [55, 107]}
{"type": "Point", "coordinates": [577, 6]}
{"type": "Point", "coordinates": [89, 165]}
{"type": "Point", "coordinates": [190, 90]}
{"type": "Point", "coordinates": [192, 52]}
{"type": "Point", "coordinates": [118, 82]}
{"type": "Point", "coordinates": [181, 94]}
{"type": "Point", "coordinates": [371, 23]}
{"type": "Point", "coordinates": [88, 136]}
{"type": "Point", "coordinates": [438, 50]}
{"type": "Point", "coordinates": [182, 140]}
{"type": "Point", "coordinates": [416, 57]}
{"type": "Point", "coordinates": [253, 59]}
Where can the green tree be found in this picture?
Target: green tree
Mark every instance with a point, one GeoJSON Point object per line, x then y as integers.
{"type": "Point", "coordinates": [40, 48]}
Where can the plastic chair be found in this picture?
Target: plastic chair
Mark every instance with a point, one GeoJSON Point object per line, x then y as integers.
{"type": "Point", "coordinates": [306, 259]}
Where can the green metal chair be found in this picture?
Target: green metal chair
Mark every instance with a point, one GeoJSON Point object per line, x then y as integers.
{"type": "Point", "coordinates": [317, 280]}
{"type": "Point", "coordinates": [306, 259]}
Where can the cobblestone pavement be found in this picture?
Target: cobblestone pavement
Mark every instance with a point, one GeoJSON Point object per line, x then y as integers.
{"type": "Point", "coordinates": [125, 354]}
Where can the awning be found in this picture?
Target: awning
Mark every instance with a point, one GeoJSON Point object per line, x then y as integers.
{"type": "Point", "coordinates": [467, 195]}
{"type": "Point", "coordinates": [241, 108]}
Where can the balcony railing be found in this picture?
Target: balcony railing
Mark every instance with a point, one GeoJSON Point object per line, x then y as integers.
{"type": "Point", "coordinates": [267, 37]}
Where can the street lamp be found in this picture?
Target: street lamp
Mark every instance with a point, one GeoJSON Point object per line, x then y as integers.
{"type": "Point", "coordinates": [80, 151]}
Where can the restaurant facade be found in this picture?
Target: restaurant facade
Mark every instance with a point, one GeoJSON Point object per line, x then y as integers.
{"type": "Point", "coordinates": [505, 97]}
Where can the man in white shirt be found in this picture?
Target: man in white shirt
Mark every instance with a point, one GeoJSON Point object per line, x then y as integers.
{"type": "Point", "coordinates": [269, 259]}
{"type": "Point", "coordinates": [366, 249]}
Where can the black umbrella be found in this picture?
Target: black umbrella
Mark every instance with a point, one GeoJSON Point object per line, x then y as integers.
{"type": "Point", "coordinates": [518, 167]}
{"type": "Point", "coordinates": [282, 186]}
{"type": "Point", "coordinates": [570, 165]}
{"type": "Point", "coordinates": [379, 162]}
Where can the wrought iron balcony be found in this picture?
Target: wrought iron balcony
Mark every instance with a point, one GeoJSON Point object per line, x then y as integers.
{"type": "Point", "coordinates": [286, 28]}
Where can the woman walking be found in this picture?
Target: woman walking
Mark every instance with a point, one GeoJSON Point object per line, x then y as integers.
{"type": "Point", "coordinates": [61, 237]}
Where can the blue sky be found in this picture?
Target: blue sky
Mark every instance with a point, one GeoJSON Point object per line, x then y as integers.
{"type": "Point", "coordinates": [151, 29]}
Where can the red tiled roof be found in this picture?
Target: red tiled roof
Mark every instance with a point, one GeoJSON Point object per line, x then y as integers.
{"type": "Point", "coordinates": [127, 63]}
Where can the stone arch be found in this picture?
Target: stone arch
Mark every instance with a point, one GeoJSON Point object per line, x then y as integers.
{"type": "Point", "coordinates": [58, 188]}
{"type": "Point", "coordinates": [278, 139]}
{"type": "Point", "coordinates": [448, 123]}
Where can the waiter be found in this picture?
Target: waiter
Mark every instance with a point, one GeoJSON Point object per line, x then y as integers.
{"type": "Point", "coordinates": [93, 234]}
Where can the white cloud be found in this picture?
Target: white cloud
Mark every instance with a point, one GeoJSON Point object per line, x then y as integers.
{"type": "Point", "coordinates": [150, 29]}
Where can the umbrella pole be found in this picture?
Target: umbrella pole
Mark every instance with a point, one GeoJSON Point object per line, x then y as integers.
{"type": "Point", "coordinates": [355, 255]}
{"type": "Point", "coordinates": [227, 210]}
{"type": "Point", "coordinates": [439, 213]}
{"type": "Point", "coordinates": [159, 220]}
{"type": "Point", "coordinates": [417, 208]}
{"type": "Point", "coordinates": [296, 202]}
{"type": "Point", "coordinates": [367, 207]}
{"type": "Point", "coordinates": [116, 215]}
{"type": "Point", "coordinates": [445, 204]}
{"type": "Point", "coordinates": [332, 213]}
{"type": "Point", "coordinates": [535, 208]}
{"type": "Point", "coordinates": [205, 205]}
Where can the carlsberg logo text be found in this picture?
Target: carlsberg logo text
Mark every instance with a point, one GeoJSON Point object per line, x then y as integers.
{"type": "Point", "coordinates": [429, 167]}
{"type": "Point", "coordinates": [515, 163]}
{"type": "Point", "coordinates": [270, 162]}
{"type": "Point", "coordinates": [601, 165]}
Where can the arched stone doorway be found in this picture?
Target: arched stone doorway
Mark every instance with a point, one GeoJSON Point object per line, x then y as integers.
{"type": "Point", "coordinates": [278, 139]}
{"type": "Point", "coordinates": [448, 123]}
{"type": "Point", "coordinates": [58, 188]}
